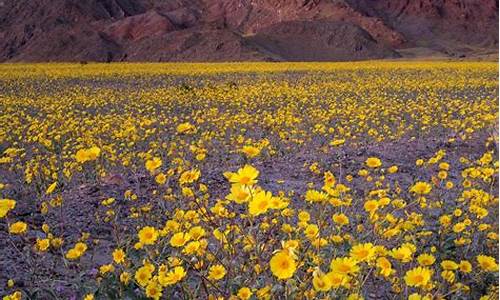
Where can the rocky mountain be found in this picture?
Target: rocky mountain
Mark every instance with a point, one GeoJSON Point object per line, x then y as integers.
{"type": "Point", "coordinates": [234, 30]}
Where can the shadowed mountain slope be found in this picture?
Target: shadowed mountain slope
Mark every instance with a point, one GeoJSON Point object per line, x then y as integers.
{"type": "Point", "coordinates": [234, 30]}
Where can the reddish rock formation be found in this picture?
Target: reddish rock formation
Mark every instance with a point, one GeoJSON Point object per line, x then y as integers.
{"type": "Point", "coordinates": [146, 25]}
{"type": "Point", "coordinates": [218, 30]}
{"type": "Point", "coordinates": [321, 41]}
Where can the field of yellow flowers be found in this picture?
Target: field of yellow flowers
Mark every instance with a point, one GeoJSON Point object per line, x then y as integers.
{"type": "Point", "coordinates": [367, 180]}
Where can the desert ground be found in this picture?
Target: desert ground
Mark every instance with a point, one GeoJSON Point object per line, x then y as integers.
{"type": "Point", "coordinates": [364, 180]}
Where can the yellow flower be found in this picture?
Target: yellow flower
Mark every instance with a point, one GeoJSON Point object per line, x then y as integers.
{"type": "Point", "coordinates": [153, 290]}
{"type": "Point", "coordinates": [385, 266]}
{"type": "Point", "coordinates": [337, 279]}
{"type": "Point", "coordinates": [421, 188]}
{"type": "Point", "coordinates": [240, 193]}
{"type": "Point", "coordinates": [340, 219]}
{"type": "Point", "coordinates": [187, 192]}
{"type": "Point", "coordinates": [172, 277]}
{"type": "Point", "coordinates": [448, 276]}
{"type": "Point", "coordinates": [290, 245]}
{"type": "Point", "coordinates": [344, 266]}
{"type": "Point", "coordinates": [17, 295]}
{"type": "Point", "coordinates": [51, 188]}
{"type": "Point", "coordinates": [88, 297]}
{"type": "Point", "coordinates": [260, 203]}
{"type": "Point", "coordinates": [264, 293]}
{"type": "Point", "coordinates": [338, 142]}
{"type": "Point", "coordinates": [244, 293]}
{"type": "Point", "coordinates": [197, 232]}
{"type": "Point", "coordinates": [250, 151]}
{"type": "Point", "coordinates": [245, 176]}
{"type": "Point", "coordinates": [426, 259]}
{"type": "Point", "coordinates": [486, 158]}
{"type": "Point", "coordinates": [5, 206]}
{"type": "Point", "coordinates": [186, 128]}
{"type": "Point", "coordinates": [278, 203]}
{"type": "Point", "coordinates": [321, 282]}
{"type": "Point", "coordinates": [108, 201]}
{"type": "Point", "coordinates": [143, 275]}
{"type": "Point", "coordinates": [403, 253]}
{"type": "Point", "coordinates": [418, 277]}
{"type": "Point", "coordinates": [373, 162]}
{"type": "Point", "coordinates": [119, 256]}
{"type": "Point", "coordinates": [442, 175]}
{"type": "Point", "coordinates": [459, 227]}
{"type": "Point", "coordinates": [363, 173]}
{"type": "Point", "coordinates": [315, 196]}
{"type": "Point", "coordinates": [449, 265]}
{"type": "Point", "coordinates": [161, 178]}
{"type": "Point", "coordinates": [392, 169]}
{"type": "Point", "coordinates": [304, 216]}
{"type": "Point", "coordinates": [444, 166]}
{"type": "Point", "coordinates": [283, 265]}
{"type": "Point", "coordinates": [465, 266]}
{"type": "Point", "coordinates": [383, 201]}
{"type": "Point", "coordinates": [329, 179]}
{"type": "Point", "coordinates": [73, 254]}
{"type": "Point", "coordinates": [449, 185]}
{"type": "Point", "coordinates": [148, 235]}
{"type": "Point", "coordinates": [179, 239]}
{"type": "Point", "coordinates": [125, 278]}
{"type": "Point", "coordinates": [42, 244]}
{"type": "Point", "coordinates": [191, 247]}
{"type": "Point", "coordinates": [487, 263]}
{"type": "Point", "coordinates": [216, 272]}
{"type": "Point", "coordinates": [355, 296]}
{"type": "Point", "coordinates": [80, 247]}
{"type": "Point", "coordinates": [363, 252]}
{"type": "Point", "coordinates": [445, 220]}
{"type": "Point", "coordinates": [311, 231]}
{"type": "Point", "coordinates": [18, 228]}
{"type": "Point", "coordinates": [189, 176]}
{"type": "Point", "coordinates": [106, 268]}
{"type": "Point", "coordinates": [371, 206]}
{"type": "Point", "coordinates": [337, 239]}
{"type": "Point", "coordinates": [90, 154]}
{"type": "Point", "coordinates": [416, 296]}
{"type": "Point", "coordinates": [153, 164]}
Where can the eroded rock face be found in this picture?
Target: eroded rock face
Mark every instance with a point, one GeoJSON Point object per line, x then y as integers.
{"type": "Point", "coordinates": [140, 26]}
{"type": "Point", "coordinates": [473, 23]}
{"type": "Point", "coordinates": [194, 30]}
{"type": "Point", "coordinates": [321, 41]}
